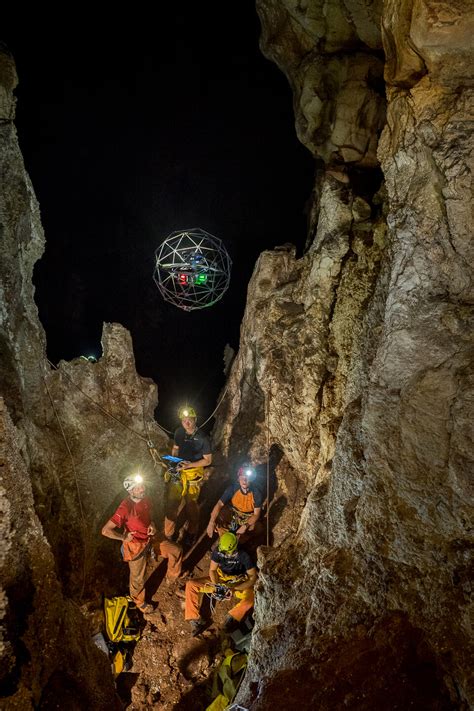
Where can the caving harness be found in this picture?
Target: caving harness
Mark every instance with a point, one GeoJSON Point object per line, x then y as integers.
{"type": "Point", "coordinates": [189, 478]}
{"type": "Point", "coordinates": [223, 589]}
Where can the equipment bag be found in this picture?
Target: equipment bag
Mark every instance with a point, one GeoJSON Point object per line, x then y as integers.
{"type": "Point", "coordinates": [118, 624]}
{"type": "Point", "coordinates": [227, 679]}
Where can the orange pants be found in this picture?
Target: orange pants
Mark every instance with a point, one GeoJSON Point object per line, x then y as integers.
{"type": "Point", "coordinates": [197, 587]}
{"type": "Point", "coordinates": [166, 549]}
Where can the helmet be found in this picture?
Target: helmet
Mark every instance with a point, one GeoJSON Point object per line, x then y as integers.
{"type": "Point", "coordinates": [227, 542]}
{"type": "Point", "coordinates": [186, 412]}
{"type": "Point", "coordinates": [132, 481]}
{"type": "Point", "coordinates": [247, 470]}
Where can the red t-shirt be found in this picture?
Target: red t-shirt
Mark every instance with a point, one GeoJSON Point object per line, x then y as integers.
{"type": "Point", "coordinates": [134, 516]}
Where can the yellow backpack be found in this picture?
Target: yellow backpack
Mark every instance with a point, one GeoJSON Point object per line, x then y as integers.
{"type": "Point", "coordinates": [118, 624]}
{"type": "Point", "coordinates": [227, 679]}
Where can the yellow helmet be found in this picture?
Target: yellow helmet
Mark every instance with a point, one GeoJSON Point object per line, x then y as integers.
{"type": "Point", "coordinates": [186, 412]}
{"type": "Point", "coordinates": [228, 542]}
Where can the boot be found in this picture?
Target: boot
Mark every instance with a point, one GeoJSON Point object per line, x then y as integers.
{"type": "Point", "coordinates": [197, 626]}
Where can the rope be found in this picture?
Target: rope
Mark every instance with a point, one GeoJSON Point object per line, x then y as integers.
{"type": "Point", "coordinates": [217, 406]}
{"type": "Point", "coordinates": [76, 481]}
{"type": "Point", "coordinates": [99, 407]}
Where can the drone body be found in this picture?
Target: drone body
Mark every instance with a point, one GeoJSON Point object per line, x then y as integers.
{"type": "Point", "coordinates": [192, 269]}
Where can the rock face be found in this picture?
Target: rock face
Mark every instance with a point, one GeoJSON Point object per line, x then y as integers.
{"type": "Point", "coordinates": [68, 437]}
{"type": "Point", "coordinates": [356, 367]}
{"type": "Point", "coordinates": [47, 658]}
{"type": "Point", "coordinates": [354, 370]}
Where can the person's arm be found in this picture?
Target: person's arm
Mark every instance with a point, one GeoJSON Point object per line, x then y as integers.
{"type": "Point", "coordinates": [175, 450]}
{"type": "Point", "coordinates": [151, 530]}
{"type": "Point", "coordinates": [249, 583]}
{"type": "Point", "coordinates": [213, 572]}
{"type": "Point", "coordinates": [251, 521]}
{"type": "Point", "coordinates": [212, 520]}
{"type": "Point", "coordinates": [110, 530]}
{"type": "Point", "coordinates": [205, 461]}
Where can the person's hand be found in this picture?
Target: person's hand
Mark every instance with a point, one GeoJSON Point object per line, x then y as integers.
{"type": "Point", "coordinates": [151, 530]}
{"type": "Point", "coordinates": [241, 530]}
{"type": "Point", "coordinates": [129, 537]}
{"type": "Point", "coordinates": [210, 528]}
{"type": "Point", "coordinates": [184, 465]}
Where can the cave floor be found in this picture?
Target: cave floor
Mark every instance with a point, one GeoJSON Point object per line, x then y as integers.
{"type": "Point", "coordinates": [171, 669]}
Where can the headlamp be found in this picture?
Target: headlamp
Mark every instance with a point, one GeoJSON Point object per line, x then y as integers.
{"type": "Point", "coordinates": [138, 478]}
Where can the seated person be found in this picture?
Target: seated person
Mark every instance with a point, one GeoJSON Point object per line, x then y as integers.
{"type": "Point", "coordinates": [243, 501]}
{"type": "Point", "coordinates": [231, 572]}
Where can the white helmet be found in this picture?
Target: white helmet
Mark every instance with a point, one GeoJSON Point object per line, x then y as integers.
{"type": "Point", "coordinates": [132, 481]}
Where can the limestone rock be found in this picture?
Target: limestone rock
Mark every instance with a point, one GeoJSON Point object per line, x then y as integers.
{"type": "Point", "coordinates": [67, 439]}
{"type": "Point", "coordinates": [46, 651]}
{"type": "Point", "coordinates": [330, 53]}
{"type": "Point", "coordinates": [356, 367]}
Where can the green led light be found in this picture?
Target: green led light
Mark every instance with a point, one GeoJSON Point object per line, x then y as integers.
{"type": "Point", "coordinates": [200, 279]}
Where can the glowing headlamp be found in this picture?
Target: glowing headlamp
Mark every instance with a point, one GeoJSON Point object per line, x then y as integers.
{"type": "Point", "coordinates": [246, 471]}
{"type": "Point", "coordinates": [185, 413]}
{"type": "Point", "coordinates": [138, 478]}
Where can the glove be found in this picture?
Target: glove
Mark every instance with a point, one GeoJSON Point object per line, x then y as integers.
{"type": "Point", "coordinates": [167, 476]}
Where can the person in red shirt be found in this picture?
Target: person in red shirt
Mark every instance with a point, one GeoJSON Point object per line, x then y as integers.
{"type": "Point", "coordinates": [133, 516]}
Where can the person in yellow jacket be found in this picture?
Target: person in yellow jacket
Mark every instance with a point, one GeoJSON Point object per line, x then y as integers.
{"type": "Point", "coordinates": [194, 447]}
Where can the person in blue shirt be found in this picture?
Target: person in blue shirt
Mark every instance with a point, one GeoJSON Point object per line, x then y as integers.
{"type": "Point", "coordinates": [194, 448]}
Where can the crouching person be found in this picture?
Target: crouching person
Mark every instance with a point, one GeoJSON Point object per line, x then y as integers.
{"type": "Point", "coordinates": [134, 517]}
{"type": "Point", "coordinates": [231, 573]}
{"type": "Point", "coordinates": [239, 507]}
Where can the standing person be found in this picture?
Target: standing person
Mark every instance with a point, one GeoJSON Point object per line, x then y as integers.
{"type": "Point", "coordinates": [194, 447]}
{"type": "Point", "coordinates": [239, 507]}
{"type": "Point", "coordinates": [231, 572]}
{"type": "Point", "coordinates": [133, 516]}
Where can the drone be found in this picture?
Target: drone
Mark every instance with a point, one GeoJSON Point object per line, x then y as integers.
{"type": "Point", "coordinates": [192, 269]}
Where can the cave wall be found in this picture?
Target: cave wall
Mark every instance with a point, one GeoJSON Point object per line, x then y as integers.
{"type": "Point", "coordinates": [356, 361]}
{"type": "Point", "coordinates": [63, 460]}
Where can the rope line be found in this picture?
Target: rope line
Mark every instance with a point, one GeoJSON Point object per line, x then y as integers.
{"type": "Point", "coordinates": [97, 404]}
{"type": "Point", "coordinates": [217, 407]}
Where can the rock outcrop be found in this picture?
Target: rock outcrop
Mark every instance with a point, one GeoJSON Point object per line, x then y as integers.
{"type": "Point", "coordinates": [356, 365]}
{"type": "Point", "coordinates": [68, 438]}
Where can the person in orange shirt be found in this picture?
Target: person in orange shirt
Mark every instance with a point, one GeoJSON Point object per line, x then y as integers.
{"type": "Point", "coordinates": [243, 501]}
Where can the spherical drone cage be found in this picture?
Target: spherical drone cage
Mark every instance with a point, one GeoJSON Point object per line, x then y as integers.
{"type": "Point", "coordinates": [192, 269]}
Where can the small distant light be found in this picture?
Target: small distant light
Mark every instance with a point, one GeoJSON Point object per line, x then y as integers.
{"type": "Point", "coordinates": [183, 278]}
{"type": "Point", "coordinates": [200, 279]}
